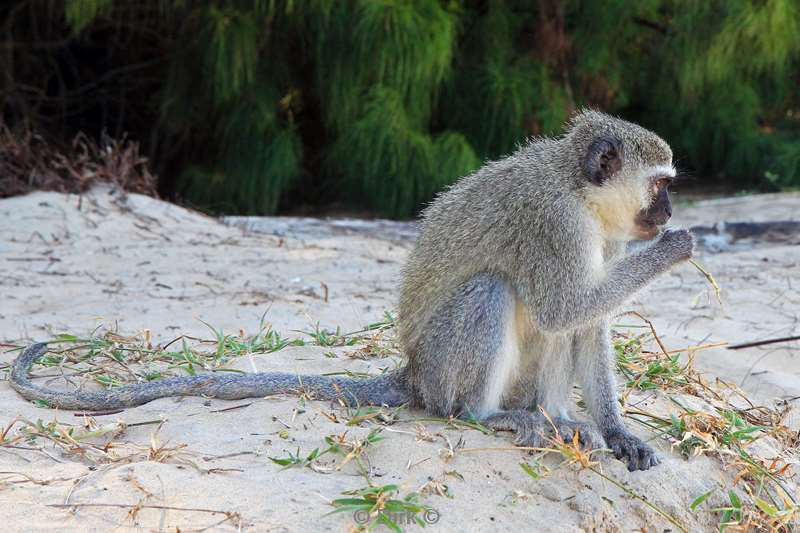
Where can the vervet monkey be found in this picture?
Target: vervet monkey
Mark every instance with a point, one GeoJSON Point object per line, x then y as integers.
{"type": "Point", "coordinates": [506, 297]}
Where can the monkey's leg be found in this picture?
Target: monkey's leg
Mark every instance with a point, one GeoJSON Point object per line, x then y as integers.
{"type": "Point", "coordinates": [594, 363]}
{"type": "Point", "coordinates": [549, 376]}
{"type": "Point", "coordinates": [546, 379]}
{"type": "Point", "coordinates": [543, 379]}
{"type": "Point", "coordinates": [468, 352]}
{"type": "Point", "coordinates": [468, 362]}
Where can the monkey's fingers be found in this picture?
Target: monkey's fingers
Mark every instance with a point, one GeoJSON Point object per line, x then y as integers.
{"type": "Point", "coordinates": [637, 454]}
{"type": "Point", "coordinates": [648, 458]}
{"type": "Point", "coordinates": [588, 438]}
{"type": "Point", "coordinates": [592, 440]}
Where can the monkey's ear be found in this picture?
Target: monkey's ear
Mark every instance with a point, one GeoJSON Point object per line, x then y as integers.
{"type": "Point", "coordinates": [603, 159]}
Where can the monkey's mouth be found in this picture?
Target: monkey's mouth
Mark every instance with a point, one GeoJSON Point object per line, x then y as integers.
{"type": "Point", "coordinates": [646, 229]}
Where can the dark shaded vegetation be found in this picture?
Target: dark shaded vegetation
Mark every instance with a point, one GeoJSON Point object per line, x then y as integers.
{"type": "Point", "coordinates": [28, 162]}
{"type": "Point", "coordinates": [252, 106]}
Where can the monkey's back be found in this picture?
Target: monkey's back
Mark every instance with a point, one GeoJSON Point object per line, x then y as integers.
{"type": "Point", "coordinates": [485, 222]}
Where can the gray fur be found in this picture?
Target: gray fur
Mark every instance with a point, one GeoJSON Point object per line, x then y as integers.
{"type": "Point", "coordinates": [386, 389]}
{"type": "Point", "coordinates": [504, 303]}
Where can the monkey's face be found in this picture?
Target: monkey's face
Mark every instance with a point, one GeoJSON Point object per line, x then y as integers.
{"type": "Point", "coordinates": [630, 198]}
{"type": "Point", "coordinates": [659, 210]}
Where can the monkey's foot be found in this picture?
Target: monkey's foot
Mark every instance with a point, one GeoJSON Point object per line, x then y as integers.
{"type": "Point", "coordinates": [541, 433]}
{"type": "Point", "coordinates": [588, 437]}
{"type": "Point", "coordinates": [636, 453]}
{"type": "Point", "coordinates": [536, 431]}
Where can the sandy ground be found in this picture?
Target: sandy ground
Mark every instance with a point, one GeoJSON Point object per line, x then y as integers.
{"type": "Point", "coordinates": [71, 264]}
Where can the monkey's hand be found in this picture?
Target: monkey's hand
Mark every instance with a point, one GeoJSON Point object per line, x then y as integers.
{"type": "Point", "coordinates": [636, 453]}
{"type": "Point", "coordinates": [677, 243]}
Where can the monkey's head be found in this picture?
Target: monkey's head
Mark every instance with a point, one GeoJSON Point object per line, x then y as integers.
{"type": "Point", "coordinates": [625, 172]}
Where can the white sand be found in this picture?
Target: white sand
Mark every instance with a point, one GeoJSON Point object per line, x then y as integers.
{"type": "Point", "coordinates": [70, 264]}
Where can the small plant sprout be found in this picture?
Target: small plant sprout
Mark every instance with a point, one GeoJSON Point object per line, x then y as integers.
{"type": "Point", "coordinates": [382, 505]}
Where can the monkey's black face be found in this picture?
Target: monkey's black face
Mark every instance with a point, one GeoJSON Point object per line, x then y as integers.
{"type": "Point", "coordinates": [658, 212]}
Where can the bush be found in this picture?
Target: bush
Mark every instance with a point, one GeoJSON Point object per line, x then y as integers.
{"type": "Point", "coordinates": [248, 106]}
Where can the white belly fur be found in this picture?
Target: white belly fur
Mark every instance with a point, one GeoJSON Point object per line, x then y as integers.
{"type": "Point", "coordinates": [503, 374]}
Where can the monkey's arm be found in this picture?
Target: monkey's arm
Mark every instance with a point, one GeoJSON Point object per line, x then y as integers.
{"type": "Point", "coordinates": [569, 300]}
{"type": "Point", "coordinates": [594, 362]}
{"type": "Point", "coordinates": [386, 389]}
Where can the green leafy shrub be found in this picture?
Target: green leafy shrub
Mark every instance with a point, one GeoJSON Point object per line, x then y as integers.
{"type": "Point", "coordinates": [249, 106]}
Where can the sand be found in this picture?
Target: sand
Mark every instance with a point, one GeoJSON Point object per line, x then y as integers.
{"type": "Point", "coordinates": [70, 263]}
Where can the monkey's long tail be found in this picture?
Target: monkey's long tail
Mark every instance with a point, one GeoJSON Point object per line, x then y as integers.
{"type": "Point", "coordinates": [388, 389]}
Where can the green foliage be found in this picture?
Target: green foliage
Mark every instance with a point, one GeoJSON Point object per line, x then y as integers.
{"type": "Point", "coordinates": [230, 53]}
{"type": "Point", "coordinates": [400, 44]}
{"type": "Point", "coordinates": [246, 104]}
{"type": "Point", "coordinates": [380, 505]}
{"type": "Point", "coordinates": [378, 101]}
{"type": "Point", "coordinates": [81, 13]}
{"type": "Point", "coordinates": [502, 92]}
{"type": "Point", "coordinates": [731, 91]}
{"type": "Point", "coordinates": [393, 164]}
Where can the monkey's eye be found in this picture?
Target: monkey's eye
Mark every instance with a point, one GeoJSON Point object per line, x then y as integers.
{"type": "Point", "coordinates": [663, 182]}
